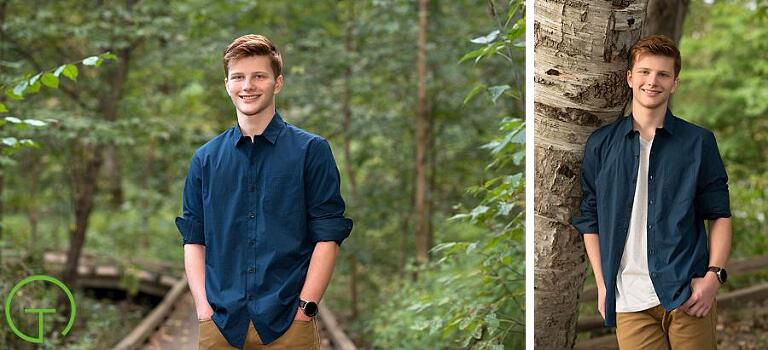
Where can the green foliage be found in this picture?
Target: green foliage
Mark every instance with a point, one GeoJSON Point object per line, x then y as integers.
{"type": "Point", "coordinates": [11, 144]}
{"type": "Point", "coordinates": [30, 84]}
{"type": "Point", "coordinates": [470, 298]}
{"type": "Point", "coordinates": [173, 101]}
{"type": "Point", "coordinates": [723, 88]}
{"type": "Point", "coordinates": [473, 295]}
{"type": "Point", "coordinates": [510, 46]}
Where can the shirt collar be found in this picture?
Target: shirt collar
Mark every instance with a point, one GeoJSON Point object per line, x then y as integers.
{"type": "Point", "coordinates": [274, 128]}
{"type": "Point", "coordinates": [271, 133]}
{"type": "Point", "coordinates": [669, 126]}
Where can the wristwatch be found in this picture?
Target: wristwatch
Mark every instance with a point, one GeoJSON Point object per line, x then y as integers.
{"type": "Point", "coordinates": [720, 272]}
{"type": "Point", "coordinates": [308, 307]}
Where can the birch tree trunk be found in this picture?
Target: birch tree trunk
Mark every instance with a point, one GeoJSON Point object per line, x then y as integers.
{"type": "Point", "coordinates": [581, 50]}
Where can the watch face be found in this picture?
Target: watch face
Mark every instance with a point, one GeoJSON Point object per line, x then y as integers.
{"type": "Point", "coordinates": [723, 276]}
{"type": "Point", "coordinates": [310, 309]}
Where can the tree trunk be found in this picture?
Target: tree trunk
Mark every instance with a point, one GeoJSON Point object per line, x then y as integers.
{"type": "Point", "coordinates": [403, 244]}
{"type": "Point", "coordinates": [423, 124]}
{"type": "Point", "coordinates": [666, 17]}
{"type": "Point", "coordinates": [85, 177]}
{"type": "Point", "coordinates": [115, 176]}
{"type": "Point", "coordinates": [150, 204]}
{"type": "Point", "coordinates": [581, 51]}
{"type": "Point", "coordinates": [108, 108]}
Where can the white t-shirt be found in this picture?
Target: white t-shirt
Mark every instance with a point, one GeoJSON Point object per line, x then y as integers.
{"type": "Point", "coordinates": [634, 289]}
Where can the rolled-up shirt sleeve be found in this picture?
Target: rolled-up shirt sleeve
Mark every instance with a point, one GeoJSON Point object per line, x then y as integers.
{"type": "Point", "coordinates": [190, 224]}
{"type": "Point", "coordinates": [586, 220]}
{"type": "Point", "coordinates": [325, 207]}
{"type": "Point", "coordinates": [712, 198]}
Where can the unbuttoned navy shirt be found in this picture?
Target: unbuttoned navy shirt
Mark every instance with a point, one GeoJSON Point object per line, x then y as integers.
{"type": "Point", "coordinates": [259, 208]}
{"type": "Point", "coordinates": [687, 184]}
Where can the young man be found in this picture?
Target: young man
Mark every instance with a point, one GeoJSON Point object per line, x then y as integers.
{"type": "Point", "coordinates": [263, 216]}
{"type": "Point", "coordinates": [649, 181]}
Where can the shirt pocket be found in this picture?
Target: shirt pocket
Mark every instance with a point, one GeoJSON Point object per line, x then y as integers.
{"type": "Point", "coordinates": [283, 197]}
{"type": "Point", "coordinates": [679, 183]}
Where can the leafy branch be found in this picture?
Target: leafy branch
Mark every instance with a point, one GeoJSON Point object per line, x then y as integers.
{"type": "Point", "coordinates": [30, 84]}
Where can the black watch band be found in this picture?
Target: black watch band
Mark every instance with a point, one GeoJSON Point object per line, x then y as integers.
{"type": "Point", "coordinates": [308, 307]}
{"type": "Point", "coordinates": [720, 272]}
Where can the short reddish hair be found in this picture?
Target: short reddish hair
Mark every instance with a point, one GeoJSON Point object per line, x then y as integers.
{"type": "Point", "coordinates": [658, 45]}
{"type": "Point", "coordinates": [253, 45]}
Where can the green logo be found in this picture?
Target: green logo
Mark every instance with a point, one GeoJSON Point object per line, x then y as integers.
{"type": "Point", "coordinates": [40, 312]}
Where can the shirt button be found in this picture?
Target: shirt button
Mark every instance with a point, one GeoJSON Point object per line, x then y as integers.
{"type": "Point", "coordinates": [650, 177]}
{"type": "Point", "coordinates": [252, 215]}
{"type": "Point", "coordinates": [251, 269]}
{"type": "Point", "coordinates": [650, 252]}
{"type": "Point", "coordinates": [651, 202]}
{"type": "Point", "coordinates": [251, 243]}
{"type": "Point", "coordinates": [650, 227]}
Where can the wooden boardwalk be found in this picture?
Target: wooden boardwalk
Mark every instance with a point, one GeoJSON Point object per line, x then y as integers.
{"type": "Point", "coordinates": [179, 331]}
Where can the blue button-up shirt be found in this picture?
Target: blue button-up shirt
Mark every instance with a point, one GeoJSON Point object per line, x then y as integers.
{"type": "Point", "coordinates": [259, 208]}
{"type": "Point", "coordinates": [687, 184]}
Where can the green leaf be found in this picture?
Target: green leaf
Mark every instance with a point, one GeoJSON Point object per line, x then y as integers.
{"type": "Point", "coordinates": [33, 88]}
{"type": "Point", "coordinates": [3, 109]}
{"type": "Point", "coordinates": [108, 56]}
{"type": "Point", "coordinates": [28, 143]}
{"type": "Point", "coordinates": [518, 30]}
{"type": "Point", "coordinates": [12, 95]}
{"type": "Point", "coordinates": [10, 141]}
{"type": "Point", "coordinates": [476, 90]}
{"type": "Point", "coordinates": [60, 69]}
{"type": "Point", "coordinates": [70, 71]}
{"type": "Point", "coordinates": [35, 122]}
{"type": "Point", "coordinates": [91, 61]}
{"type": "Point", "coordinates": [489, 38]}
{"type": "Point", "coordinates": [34, 79]}
{"type": "Point", "coordinates": [19, 89]}
{"type": "Point", "coordinates": [50, 80]}
{"type": "Point", "coordinates": [520, 137]}
{"type": "Point", "coordinates": [496, 91]}
{"type": "Point", "coordinates": [472, 54]}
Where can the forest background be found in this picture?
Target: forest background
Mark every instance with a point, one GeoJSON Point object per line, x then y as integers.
{"type": "Point", "coordinates": [104, 104]}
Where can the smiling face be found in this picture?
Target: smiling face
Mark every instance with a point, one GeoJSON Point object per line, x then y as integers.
{"type": "Point", "coordinates": [252, 86]}
{"type": "Point", "coordinates": [653, 81]}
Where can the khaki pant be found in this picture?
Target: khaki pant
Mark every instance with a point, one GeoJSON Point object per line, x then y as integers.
{"type": "Point", "coordinates": [300, 336]}
{"type": "Point", "coordinates": [657, 328]}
